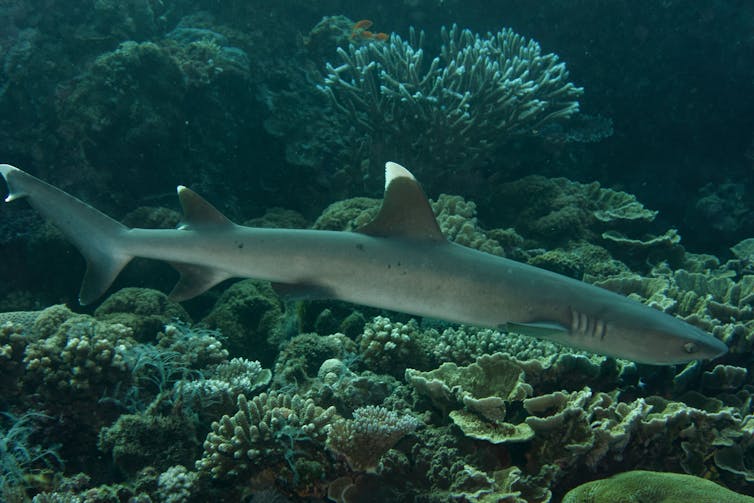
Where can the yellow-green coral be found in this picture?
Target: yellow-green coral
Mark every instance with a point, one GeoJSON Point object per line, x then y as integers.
{"type": "Point", "coordinates": [641, 486]}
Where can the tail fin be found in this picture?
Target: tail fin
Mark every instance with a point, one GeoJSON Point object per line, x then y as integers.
{"type": "Point", "coordinates": [97, 236]}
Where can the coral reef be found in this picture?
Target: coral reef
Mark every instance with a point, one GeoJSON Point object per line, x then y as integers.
{"type": "Point", "coordinates": [119, 101]}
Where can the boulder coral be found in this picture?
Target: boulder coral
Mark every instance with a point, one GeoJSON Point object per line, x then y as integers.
{"type": "Point", "coordinates": [658, 487]}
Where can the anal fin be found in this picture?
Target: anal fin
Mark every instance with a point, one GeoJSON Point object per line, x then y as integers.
{"type": "Point", "coordinates": [194, 280]}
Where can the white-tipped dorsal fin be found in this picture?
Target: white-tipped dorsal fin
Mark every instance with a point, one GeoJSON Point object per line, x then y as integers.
{"type": "Point", "coordinates": [197, 212]}
{"type": "Point", "coordinates": [405, 210]}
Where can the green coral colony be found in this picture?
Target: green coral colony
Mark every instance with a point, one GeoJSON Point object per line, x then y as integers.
{"type": "Point", "coordinates": [258, 399]}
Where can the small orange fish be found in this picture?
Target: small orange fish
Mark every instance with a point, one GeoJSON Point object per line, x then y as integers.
{"type": "Point", "coordinates": [360, 26]}
{"type": "Point", "coordinates": [381, 36]}
{"type": "Point", "coordinates": [364, 24]}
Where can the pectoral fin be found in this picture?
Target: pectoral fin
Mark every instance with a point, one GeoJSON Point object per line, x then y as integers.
{"type": "Point", "coordinates": [302, 291]}
{"type": "Point", "coordinates": [538, 329]}
{"type": "Point", "coordinates": [194, 280]}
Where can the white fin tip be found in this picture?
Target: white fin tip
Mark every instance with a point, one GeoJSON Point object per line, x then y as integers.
{"type": "Point", "coordinates": [394, 170]}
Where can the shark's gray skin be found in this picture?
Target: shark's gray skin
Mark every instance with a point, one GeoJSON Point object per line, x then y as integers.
{"type": "Point", "coordinates": [400, 261]}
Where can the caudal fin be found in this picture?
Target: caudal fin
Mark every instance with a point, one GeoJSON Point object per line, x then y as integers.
{"type": "Point", "coordinates": [97, 236]}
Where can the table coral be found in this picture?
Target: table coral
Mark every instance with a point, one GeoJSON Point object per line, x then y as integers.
{"type": "Point", "coordinates": [483, 387]}
{"type": "Point", "coordinates": [371, 432]}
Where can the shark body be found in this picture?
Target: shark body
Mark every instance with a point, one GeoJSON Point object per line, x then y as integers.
{"type": "Point", "coordinates": [400, 261]}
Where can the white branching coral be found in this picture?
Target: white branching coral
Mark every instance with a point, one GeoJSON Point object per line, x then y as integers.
{"type": "Point", "coordinates": [219, 390]}
{"type": "Point", "coordinates": [469, 100]}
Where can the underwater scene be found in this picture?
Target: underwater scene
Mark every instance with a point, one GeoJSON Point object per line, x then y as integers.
{"type": "Point", "coordinates": [420, 251]}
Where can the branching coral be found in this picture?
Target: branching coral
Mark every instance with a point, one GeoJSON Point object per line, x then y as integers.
{"type": "Point", "coordinates": [471, 98]}
{"type": "Point", "coordinates": [84, 357]}
{"type": "Point", "coordinates": [266, 430]}
{"type": "Point", "coordinates": [219, 390]}
{"type": "Point", "coordinates": [390, 347]}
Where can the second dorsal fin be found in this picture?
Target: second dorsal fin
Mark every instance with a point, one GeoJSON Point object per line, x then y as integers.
{"type": "Point", "coordinates": [197, 212]}
{"type": "Point", "coordinates": [405, 210]}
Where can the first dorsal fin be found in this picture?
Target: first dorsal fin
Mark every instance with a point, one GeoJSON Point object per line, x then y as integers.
{"type": "Point", "coordinates": [197, 212]}
{"type": "Point", "coordinates": [405, 210]}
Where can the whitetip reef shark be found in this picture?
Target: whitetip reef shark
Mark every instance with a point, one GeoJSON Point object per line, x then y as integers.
{"type": "Point", "coordinates": [399, 261]}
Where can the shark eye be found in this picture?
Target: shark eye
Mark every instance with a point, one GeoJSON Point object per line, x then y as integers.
{"type": "Point", "coordinates": [690, 347]}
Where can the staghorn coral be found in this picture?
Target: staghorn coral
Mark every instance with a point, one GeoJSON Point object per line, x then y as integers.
{"type": "Point", "coordinates": [266, 431]}
{"type": "Point", "coordinates": [478, 93]}
{"type": "Point", "coordinates": [370, 434]}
